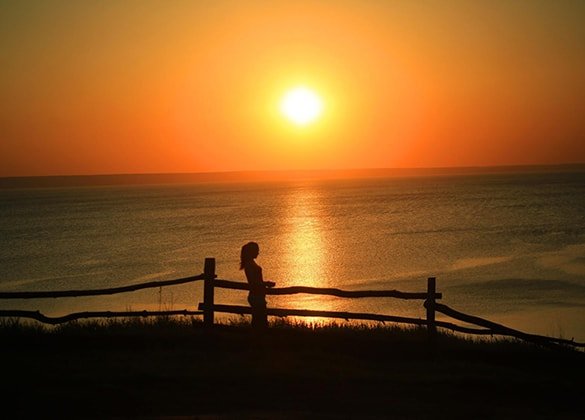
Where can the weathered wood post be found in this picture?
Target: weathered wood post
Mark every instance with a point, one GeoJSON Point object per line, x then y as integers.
{"type": "Point", "coordinates": [430, 306]}
{"type": "Point", "coordinates": [209, 272]}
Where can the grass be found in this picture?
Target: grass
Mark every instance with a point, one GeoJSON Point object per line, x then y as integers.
{"type": "Point", "coordinates": [175, 367]}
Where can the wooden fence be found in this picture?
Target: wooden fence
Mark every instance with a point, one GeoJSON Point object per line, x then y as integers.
{"type": "Point", "coordinates": [208, 307]}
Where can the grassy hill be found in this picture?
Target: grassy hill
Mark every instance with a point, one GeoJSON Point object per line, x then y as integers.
{"type": "Point", "coordinates": [168, 368]}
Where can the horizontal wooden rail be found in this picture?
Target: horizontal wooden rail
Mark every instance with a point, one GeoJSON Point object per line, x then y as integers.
{"type": "Point", "coordinates": [97, 292]}
{"type": "Point", "coordinates": [462, 329]}
{"type": "Point", "coordinates": [81, 315]}
{"type": "Point", "coordinates": [235, 285]}
{"type": "Point", "coordinates": [246, 310]}
{"type": "Point", "coordinates": [503, 330]}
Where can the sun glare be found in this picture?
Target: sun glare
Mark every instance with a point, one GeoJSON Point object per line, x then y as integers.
{"type": "Point", "coordinates": [301, 105]}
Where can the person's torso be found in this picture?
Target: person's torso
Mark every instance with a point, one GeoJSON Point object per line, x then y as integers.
{"type": "Point", "coordinates": [254, 277]}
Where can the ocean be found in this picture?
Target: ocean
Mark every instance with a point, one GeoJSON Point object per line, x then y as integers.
{"type": "Point", "coordinates": [507, 247]}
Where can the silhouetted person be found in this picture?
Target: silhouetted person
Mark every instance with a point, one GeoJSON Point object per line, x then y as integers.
{"type": "Point", "coordinates": [257, 295]}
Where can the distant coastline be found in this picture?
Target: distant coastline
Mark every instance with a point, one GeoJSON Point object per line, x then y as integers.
{"type": "Point", "coordinates": [56, 181]}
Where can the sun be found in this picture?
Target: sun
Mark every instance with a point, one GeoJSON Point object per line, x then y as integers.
{"type": "Point", "coordinates": [301, 105]}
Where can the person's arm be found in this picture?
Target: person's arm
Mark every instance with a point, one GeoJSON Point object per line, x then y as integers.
{"type": "Point", "coordinates": [265, 283]}
{"type": "Point", "coordinates": [261, 278]}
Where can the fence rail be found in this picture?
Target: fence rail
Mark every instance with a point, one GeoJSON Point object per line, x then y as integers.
{"type": "Point", "coordinates": [98, 292]}
{"type": "Point", "coordinates": [36, 315]}
{"type": "Point", "coordinates": [246, 310]}
{"type": "Point", "coordinates": [208, 307]}
{"type": "Point", "coordinates": [501, 329]}
{"type": "Point", "coordinates": [235, 285]}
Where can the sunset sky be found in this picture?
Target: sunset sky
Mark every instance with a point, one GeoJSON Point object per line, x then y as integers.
{"type": "Point", "coordinates": [99, 87]}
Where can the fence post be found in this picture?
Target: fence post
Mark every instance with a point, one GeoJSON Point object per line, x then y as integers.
{"type": "Point", "coordinates": [209, 272]}
{"type": "Point", "coordinates": [430, 305]}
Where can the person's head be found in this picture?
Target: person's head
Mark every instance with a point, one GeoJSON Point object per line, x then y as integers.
{"type": "Point", "coordinates": [249, 252]}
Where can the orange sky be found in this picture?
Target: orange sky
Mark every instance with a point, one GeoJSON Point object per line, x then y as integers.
{"type": "Point", "coordinates": [179, 86]}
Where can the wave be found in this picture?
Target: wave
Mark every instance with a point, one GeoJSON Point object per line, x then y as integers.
{"type": "Point", "coordinates": [465, 263]}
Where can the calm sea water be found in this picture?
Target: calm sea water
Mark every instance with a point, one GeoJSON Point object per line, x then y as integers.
{"type": "Point", "coordinates": [507, 247]}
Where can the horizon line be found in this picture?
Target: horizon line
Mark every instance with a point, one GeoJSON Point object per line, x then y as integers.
{"type": "Point", "coordinates": [104, 179]}
{"type": "Point", "coordinates": [240, 171]}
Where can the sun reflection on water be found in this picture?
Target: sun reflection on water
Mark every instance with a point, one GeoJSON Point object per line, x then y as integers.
{"type": "Point", "coordinates": [305, 254]}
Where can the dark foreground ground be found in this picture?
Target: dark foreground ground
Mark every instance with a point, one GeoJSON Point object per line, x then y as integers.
{"type": "Point", "coordinates": [169, 369]}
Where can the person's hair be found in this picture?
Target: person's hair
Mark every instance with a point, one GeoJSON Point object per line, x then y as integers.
{"type": "Point", "coordinates": [249, 252]}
